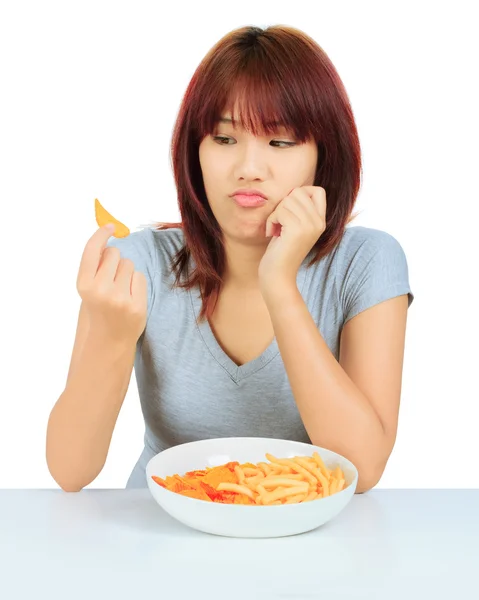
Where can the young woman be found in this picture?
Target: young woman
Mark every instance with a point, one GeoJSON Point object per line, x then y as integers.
{"type": "Point", "coordinates": [261, 313]}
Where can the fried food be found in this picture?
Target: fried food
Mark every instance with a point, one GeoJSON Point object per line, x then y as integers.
{"type": "Point", "coordinates": [103, 217]}
{"type": "Point", "coordinates": [281, 481]}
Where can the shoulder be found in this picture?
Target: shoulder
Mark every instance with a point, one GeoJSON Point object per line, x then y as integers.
{"type": "Point", "coordinates": [370, 267]}
{"type": "Point", "coordinates": [150, 239]}
{"type": "Point", "coordinates": [151, 250]}
{"type": "Point", "coordinates": [366, 241]}
{"type": "Point", "coordinates": [363, 249]}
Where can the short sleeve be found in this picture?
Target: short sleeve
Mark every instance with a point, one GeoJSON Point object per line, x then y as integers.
{"type": "Point", "coordinates": [140, 248]}
{"type": "Point", "coordinates": [373, 268]}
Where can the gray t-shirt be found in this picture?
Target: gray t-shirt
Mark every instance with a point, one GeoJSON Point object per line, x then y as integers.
{"type": "Point", "coordinates": [190, 389]}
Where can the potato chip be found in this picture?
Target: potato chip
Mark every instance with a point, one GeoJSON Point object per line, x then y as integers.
{"type": "Point", "coordinates": [219, 475]}
{"type": "Point", "coordinates": [198, 494]}
{"type": "Point", "coordinates": [103, 217]}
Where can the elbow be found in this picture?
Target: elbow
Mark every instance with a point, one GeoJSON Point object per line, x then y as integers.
{"type": "Point", "coordinates": [66, 477]}
{"type": "Point", "coordinates": [367, 480]}
{"type": "Point", "coordinates": [64, 484]}
{"type": "Point", "coordinates": [370, 473]}
{"type": "Point", "coordinates": [70, 488]}
{"type": "Point", "coordinates": [363, 488]}
{"type": "Point", "coordinates": [67, 486]}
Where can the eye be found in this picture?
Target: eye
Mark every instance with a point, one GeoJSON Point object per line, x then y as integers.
{"type": "Point", "coordinates": [221, 139]}
{"type": "Point", "coordinates": [288, 144]}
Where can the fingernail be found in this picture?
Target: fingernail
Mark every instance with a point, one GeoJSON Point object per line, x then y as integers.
{"type": "Point", "coordinates": [110, 227]}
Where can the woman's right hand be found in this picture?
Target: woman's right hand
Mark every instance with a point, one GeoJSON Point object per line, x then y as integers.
{"type": "Point", "coordinates": [114, 294]}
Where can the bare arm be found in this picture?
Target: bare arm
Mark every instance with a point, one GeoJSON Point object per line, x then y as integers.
{"type": "Point", "coordinates": [350, 406]}
{"type": "Point", "coordinates": [82, 421]}
{"type": "Point", "coordinates": [111, 320]}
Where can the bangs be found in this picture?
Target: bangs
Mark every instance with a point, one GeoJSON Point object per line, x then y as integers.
{"type": "Point", "coordinates": [259, 104]}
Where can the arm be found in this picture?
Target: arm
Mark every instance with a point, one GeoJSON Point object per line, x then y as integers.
{"type": "Point", "coordinates": [351, 406]}
{"type": "Point", "coordinates": [81, 423]}
{"type": "Point", "coordinates": [111, 319]}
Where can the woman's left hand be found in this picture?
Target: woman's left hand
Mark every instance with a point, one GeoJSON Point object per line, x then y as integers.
{"type": "Point", "coordinates": [298, 220]}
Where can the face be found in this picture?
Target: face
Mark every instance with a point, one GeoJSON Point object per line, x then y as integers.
{"type": "Point", "coordinates": [231, 158]}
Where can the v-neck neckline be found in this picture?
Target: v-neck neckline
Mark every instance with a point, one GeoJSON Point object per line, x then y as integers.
{"type": "Point", "coordinates": [237, 372]}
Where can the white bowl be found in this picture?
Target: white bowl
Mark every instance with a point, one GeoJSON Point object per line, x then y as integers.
{"type": "Point", "coordinates": [245, 520]}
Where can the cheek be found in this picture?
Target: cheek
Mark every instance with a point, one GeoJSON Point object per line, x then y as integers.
{"type": "Point", "coordinates": [209, 168]}
{"type": "Point", "coordinates": [303, 168]}
{"type": "Point", "coordinates": [206, 159]}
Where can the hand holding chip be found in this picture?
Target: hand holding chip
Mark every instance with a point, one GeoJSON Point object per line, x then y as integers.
{"type": "Point", "coordinates": [114, 294]}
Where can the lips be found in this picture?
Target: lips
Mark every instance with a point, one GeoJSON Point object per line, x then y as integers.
{"type": "Point", "coordinates": [249, 192]}
{"type": "Point", "coordinates": [249, 200]}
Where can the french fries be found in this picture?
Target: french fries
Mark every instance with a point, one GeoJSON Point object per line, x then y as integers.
{"type": "Point", "coordinates": [281, 481]}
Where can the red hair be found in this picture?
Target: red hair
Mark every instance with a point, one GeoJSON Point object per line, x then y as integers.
{"type": "Point", "coordinates": [275, 75]}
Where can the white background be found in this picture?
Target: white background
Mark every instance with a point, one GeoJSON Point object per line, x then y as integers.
{"type": "Point", "coordinates": [89, 95]}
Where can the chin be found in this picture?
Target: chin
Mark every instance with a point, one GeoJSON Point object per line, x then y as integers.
{"type": "Point", "coordinates": [243, 227]}
{"type": "Point", "coordinates": [253, 234]}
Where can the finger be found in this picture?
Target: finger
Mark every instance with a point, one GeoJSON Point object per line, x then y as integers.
{"type": "Point", "coordinates": [272, 222]}
{"type": "Point", "coordinates": [93, 251]}
{"type": "Point", "coordinates": [309, 204]}
{"type": "Point", "coordinates": [300, 203]}
{"type": "Point", "coordinates": [318, 197]}
{"type": "Point", "coordinates": [110, 261]}
{"type": "Point", "coordinates": [124, 274]}
{"type": "Point", "coordinates": [139, 290]}
{"type": "Point", "coordinates": [296, 194]}
{"type": "Point", "coordinates": [280, 216]}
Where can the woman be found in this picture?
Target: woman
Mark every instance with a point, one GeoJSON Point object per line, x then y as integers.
{"type": "Point", "coordinates": [261, 313]}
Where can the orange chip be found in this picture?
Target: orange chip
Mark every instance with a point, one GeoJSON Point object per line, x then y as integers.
{"type": "Point", "coordinates": [225, 497]}
{"type": "Point", "coordinates": [103, 217]}
{"type": "Point", "coordinates": [242, 499]}
{"type": "Point", "coordinates": [159, 480]}
{"type": "Point", "coordinates": [219, 475]}
{"type": "Point", "coordinates": [179, 487]}
{"type": "Point", "coordinates": [231, 465]}
{"type": "Point", "coordinates": [185, 481]}
{"type": "Point", "coordinates": [210, 491]}
{"type": "Point", "coordinates": [198, 494]}
{"type": "Point", "coordinates": [195, 473]}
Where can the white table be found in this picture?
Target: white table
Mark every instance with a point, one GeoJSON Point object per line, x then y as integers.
{"type": "Point", "coordinates": [113, 544]}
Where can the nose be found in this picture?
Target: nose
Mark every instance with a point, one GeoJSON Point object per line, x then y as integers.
{"type": "Point", "coordinates": [251, 161]}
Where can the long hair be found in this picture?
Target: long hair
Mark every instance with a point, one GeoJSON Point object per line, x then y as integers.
{"type": "Point", "coordinates": [277, 74]}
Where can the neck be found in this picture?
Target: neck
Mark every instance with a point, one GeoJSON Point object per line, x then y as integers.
{"type": "Point", "coordinates": [242, 263]}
